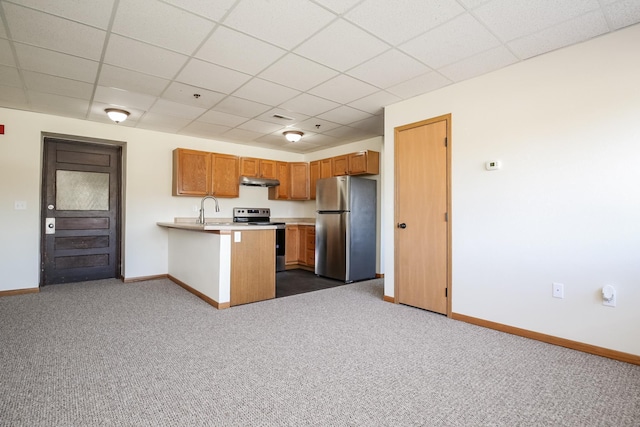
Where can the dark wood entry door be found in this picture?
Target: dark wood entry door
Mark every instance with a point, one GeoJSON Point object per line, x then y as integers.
{"type": "Point", "coordinates": [80, 212]}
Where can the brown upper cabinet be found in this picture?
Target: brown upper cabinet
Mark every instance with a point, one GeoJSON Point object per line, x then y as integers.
{"type": "Point", "coordinates": [326, 170]}
{"type": "Point", "coordinates": [366, 162]}
{"type": "Point", "coordinates": [299, 178]}
{"type": "Point", "coordinates": [340, 165]}
{"type": "Point", "coordinates": [258, 168]}
{"type": "Point", "coordinates": [314, 176]}
{"type": "Point", "coordinates": [201, 173]}
{"type": "Point", "coordinates": [281, 192]}
{"type": "Point", "coordinates": [294, 181]}
{"type": "Point", "coordinates": [225, 175]}
{"type": "Point", "coordinates": [318, 169]}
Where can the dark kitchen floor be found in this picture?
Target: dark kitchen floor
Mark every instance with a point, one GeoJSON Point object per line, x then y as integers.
{"type": "Point", "coordinates": [298, 281]}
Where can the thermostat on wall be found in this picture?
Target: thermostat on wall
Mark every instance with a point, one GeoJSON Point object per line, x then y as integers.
{"type": "Point", "coordinates": [493, 165]}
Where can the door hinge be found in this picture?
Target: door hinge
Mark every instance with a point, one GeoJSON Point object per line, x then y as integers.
{"type": "Point", "coordinates": [446, 141]}
{"type": "Point", "coordinates": [446, 292]}
{"type": "Point", "coordinates": [446, 217]}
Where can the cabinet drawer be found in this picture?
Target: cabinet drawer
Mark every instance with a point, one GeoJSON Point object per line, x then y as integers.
{"type": "Point", "coordinates": [311, 257]}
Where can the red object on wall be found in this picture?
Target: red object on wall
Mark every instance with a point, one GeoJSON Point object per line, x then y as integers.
{"type": "Point", "coordinates": [1, 129]}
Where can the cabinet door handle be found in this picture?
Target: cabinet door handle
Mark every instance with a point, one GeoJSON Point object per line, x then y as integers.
{"type": "Point", "coordinates": [402, 225]}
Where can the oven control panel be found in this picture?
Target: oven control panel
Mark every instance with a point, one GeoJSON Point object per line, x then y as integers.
{"type": "Point", "coordinates": [251, 212]}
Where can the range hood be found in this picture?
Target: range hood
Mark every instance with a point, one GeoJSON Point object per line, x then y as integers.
{"type": "Point", "coordinates": [258, 182]}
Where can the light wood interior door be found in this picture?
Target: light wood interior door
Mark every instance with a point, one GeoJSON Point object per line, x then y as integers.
{"type": "Point", "coordinates": [422, 255]}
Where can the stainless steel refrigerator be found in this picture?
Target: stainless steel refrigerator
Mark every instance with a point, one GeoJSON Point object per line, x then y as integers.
{"type": "Point", "coordinates": [346, 228]}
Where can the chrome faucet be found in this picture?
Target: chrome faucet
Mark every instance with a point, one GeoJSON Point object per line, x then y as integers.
{"type": "Point", "coordinates": [201, 219]}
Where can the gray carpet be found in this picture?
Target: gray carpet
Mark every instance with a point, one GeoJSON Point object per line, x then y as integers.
{"type": "Point", "coordinates": [106, 353]}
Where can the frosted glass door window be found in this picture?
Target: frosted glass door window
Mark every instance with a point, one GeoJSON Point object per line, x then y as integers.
{"type": "Point", "coordinates": [82, 191]}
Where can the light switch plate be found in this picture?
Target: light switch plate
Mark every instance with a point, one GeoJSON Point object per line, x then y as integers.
{"type": "Point", "coordinates": [20, 205]}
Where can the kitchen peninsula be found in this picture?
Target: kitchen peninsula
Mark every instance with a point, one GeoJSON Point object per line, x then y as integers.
{"type": "Point", "coordinates": [223, 263]}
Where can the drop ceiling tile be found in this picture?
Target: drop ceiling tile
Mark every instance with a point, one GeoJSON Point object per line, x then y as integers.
{"type": "Point", "coordinates": [13, 97]}
{"type": "Point", "coordinates": [403, 20]}
{"type": "Point", "coordinates": [9, 76]}
{"type": "Point", "coordinates": [224, 48]}
{"type": "Point", "coordinates": [215, 10]}
{"type": "Point", "coordinates": [48, 31]}
{"type": "Point", "coordinates": [241, 107]}
{"type": "Point", "coordinates": [184, 94]}
{"type": "Point", "coordinates": [309, 104]}
{"type": "Point", "coordinates": [162, 122]}
{"type": "Point", "coordinates": [274, 140]}
{"type": "Point", "coordinates": [338, 6]}
{"type": "Point", "coordinates": [419, 85]}
{"type": "Point", "coordinates": [212, 77]}
{"type": "Point", "coordinates": [510, 19]}
{"type": "Point", "coordinates": [343, 89]}
{"type": "Point", "coordinates": [224, 119]}
{"type": "Point", "coordinates": [301, 147]}
{"type": "Point", "coordinates": [265, 92]}
{"type": "Point", "coordinates": [373, 125]}
{"type": "Point", "coordinates": [133, 81]}
{"type": "Point", "coordinates": [56, 85]}
{"type": "Point", "coordinates": [376, 102]}
{"type": "Point", "coordinates": [623, 13]}
{"type": "Point", "coordinates": [347, 133]}
{"type": "Point", "coordinates": [123, 98]}
{"type": "Point", "coordinates": [341, 46]}
{"type": "Point", "coordinates": [162, 25]}
{"type": "Point", "coordinates": [311, 125]}
{"type": "Point", "coordinates": [472, 4]}
{"type": "Point", "coordinates": [278, 21]}
{"type": "Point", "coordinates": [58, 105]}
{"type": "Point", "coordinates": [242, 134]}
{"type": "Point", "coordinates": [260, 126]}
{"type": "Point", "coordinates": [388, 69]}
{"type": "Point", "coordinates": [204, 130]}
{"type": "Point", "coordinates": [344, 115]}
{"type": "Point", "coordinates": [321, 140]}
{"type": "Point", "coordinates": [569, 32]}
{"type": "Point", "coordinates": [297, 72]}
{"type": "Point", "coordinates": [291, 117]}
{"type": "Point", "coordinates": [6, 54]}
{"type": "Point", "coordinates": [170, 108]}
{"type": "Point", "coordinates": [451, 42]}
{"type": "Point", "coordinates": [142, 57]}
{"type": "Point", "coordinates": [94, 13]}
{"type": "Point", "coordinates": [59, 64]}
{"type": "Point", "coordinates": [482, 63]}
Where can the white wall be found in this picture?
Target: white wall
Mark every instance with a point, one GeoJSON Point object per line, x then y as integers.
{"type": "Point", "coordinates": [147, 198]}
{"type": "Point", "coordinates": [147, 191]}
{"type": "Point", "coordinates": [566, 205]}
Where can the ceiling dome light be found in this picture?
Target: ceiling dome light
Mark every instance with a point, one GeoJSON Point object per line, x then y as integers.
{"type": "Point", "coordinates": [293, 135]}
{"type": "Point", "coordinates": [117, 115]}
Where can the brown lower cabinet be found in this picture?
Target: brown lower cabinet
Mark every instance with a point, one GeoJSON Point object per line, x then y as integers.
{"type": "Point", "coordinates": [255, 280]}
{"type": "Point", "coordinates": [300, 246]}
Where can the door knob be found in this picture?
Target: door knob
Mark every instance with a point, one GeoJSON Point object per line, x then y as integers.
{"type": "Point", "coordinates": [402, 225]}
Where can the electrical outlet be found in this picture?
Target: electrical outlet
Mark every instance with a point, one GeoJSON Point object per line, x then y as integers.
{"type": "Point", "coordinates": [558, 290]}
{"type": "Point", "coordinates": [196, 208]}
{"type": "Point", "coordinates": [610, 293]}
{"type": "Point", "coordinates": [20, 205]}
